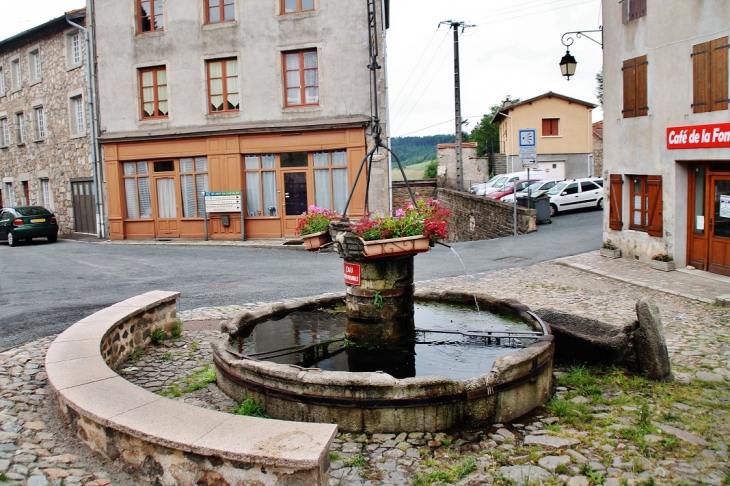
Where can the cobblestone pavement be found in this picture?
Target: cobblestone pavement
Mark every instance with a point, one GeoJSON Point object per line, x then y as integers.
{"type": "Point", "coordinates": [613, 430]}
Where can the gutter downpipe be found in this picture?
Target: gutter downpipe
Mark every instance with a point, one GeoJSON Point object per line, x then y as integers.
{"type": "Point", "coordinates": [100, 230]}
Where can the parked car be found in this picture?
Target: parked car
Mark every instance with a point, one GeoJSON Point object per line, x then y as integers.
{"type": "Point", "coordinates": [23, 223]}
{"type": "Point", "coordinates": [481, 187]}
{"type": "Point", "coordinates": [509, 189]}
{"type": "Point", "coordinates": [498, 182]}
{"type": "Point", "coordinates": [535, 189]}
{"type": "Point", "coordinates": [575, 194]}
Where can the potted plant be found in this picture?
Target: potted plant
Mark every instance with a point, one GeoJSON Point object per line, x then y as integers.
{"type": "Point", "coordinates": [314, 227]}
{"type": "Point", "coordinates": [411, 230]}
{"type": "Point", "coordinates": [663, 262]}
{"type": "Point", "coordinates": [609, 250]}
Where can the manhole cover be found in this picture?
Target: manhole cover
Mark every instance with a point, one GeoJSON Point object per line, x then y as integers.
{"type": "Point", "coordinates": [512, 259]}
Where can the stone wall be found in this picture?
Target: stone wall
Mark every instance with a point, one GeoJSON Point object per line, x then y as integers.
{"type": "Point", "coordinates": [58, 157]}
{"type": "Point", "coordinates": [422, 189]}
{"type": "Point", "coordinates": [597, 156]}
{"type": "Point", "coordinates": [474, 168]}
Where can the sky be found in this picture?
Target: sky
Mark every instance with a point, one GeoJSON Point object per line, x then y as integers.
{"type": "Point", "coordinates": [513, 50]}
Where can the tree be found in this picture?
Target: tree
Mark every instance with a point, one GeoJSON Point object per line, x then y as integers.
{"type": "Point", "coordinates": [431, 171]}
{"type": "Point", "coordinates": [599, 87]}
{"type": "Point", "coordinates": [486, 134]}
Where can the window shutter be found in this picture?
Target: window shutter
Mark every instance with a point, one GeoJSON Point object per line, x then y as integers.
{"type": "Point", "coordinates": [642, 99]}
{"type": "Point", "coordinates": [629, 88]}
{"type": "Point", "coordinates": [637, 8]}
{"type": "Point", "coordinates": [615, 209]}
{"type": "Point", "coordinates": [701, 77]}
{"type": "Point", "coordinates": [545, 127]}
{"type": "Point", "coordinates": [718, 62]}
{"type": "Point", "coordinates": [654, 189]}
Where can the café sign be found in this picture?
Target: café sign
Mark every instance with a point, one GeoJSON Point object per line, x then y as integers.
{"type": "Point", "coordinates": [716, 135]}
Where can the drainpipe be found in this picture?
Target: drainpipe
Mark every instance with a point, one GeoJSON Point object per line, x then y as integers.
{"type": "Point", "coordinates": [100, 230]}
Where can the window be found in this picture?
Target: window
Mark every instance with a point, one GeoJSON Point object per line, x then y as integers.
{"type": "Point", "coordinates": [261, 185]}
{"type": "Point", "coordinates": [634, 9]}
{"type": "Point", "coordinates": [40, 123]}
{"type": "Point", "coordinates": [16, 78]}
{"type": "Point", "coordinates": [137, 190]}
{"type": "Point", "coordinates": [9, 195]}
{"type": "Point", "coordinates": [301, 78]}
{"type": "Point", "coordinates": [193, 183]}
{"type": "Point", "coordinates": [34, 65]}
{"type": "Point", "coordinates": [150, 15]}
{"type": "Point", "coordinates": [5, 132]}
{"type": "Point", "coordinates": [153, 85]}
{"type": "Point", "coordinates": [710, 76]}
{"type": "Point", "coordinates": [24, 193]}
{"type": "Point", "coordinates": [20, 124]}
{"type": "Point", "coordinates": [73, 49]}
{"type": "Point", "coordinates": [635, 87]}
{"type": "Point", "coordinates": [330, 180]}
{"type": "Point", "coordinates": [223, 85]}
{"type": "Point", "coordinates": [46, 197]}
{"type": "Point", "coordinates": [571, 189]}
{"type": "Point", "coordinates": [550, 127]}
{"type": "Point", "coordinates": [2, 82]}
{"type": "Point", "coordinates": [646, 204]}
{"type": "Point", "coordinates": [219, 11]}
{"type": "Point", "coordinates": [291, 6]}
{"type": "Point", "coordinates": [77, 119]}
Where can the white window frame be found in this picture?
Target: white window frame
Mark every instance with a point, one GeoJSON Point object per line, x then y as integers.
{"type": "Point", "coordinates": [46, 194]}
{"type": "Point", "coordinates": [8, 194]}
{"type": "Point", "coordinates": [40, 122]}
{"type": "Point", "coordinates": [3, 86]}
{"type": "Point", "coordinates": [35, 71]}
{"type": "Point", "coordinates": [77, 114]}
{"type": "Point", "coordinates": [74, 50]}
{"type": "Point", "coordinates": [5, 132]}
{"type": "Point", "coordinates": [20, 127]}
{"type": "Point", "coordinates": [16, 74]}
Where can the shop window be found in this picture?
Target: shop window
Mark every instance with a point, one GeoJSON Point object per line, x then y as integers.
{"type": "Point", "coordinates": [149, 15]}
{"type": "Point", "coordinates": [261, 185]}
{"type": "Point", "coordinates": [223, 85]}
{"type": "Point", "coordinates": [4, 126]}
{"type": "Point", "coordinates": [635, 87]}
{"type": "Point", "coordinates": [710, 76]}
{"type": "Point", "coordinates": [301, 79]}
{"type": "Point", "coordinates": [9, 195]}
{"type": "Point", "coordinates": [153, 87]}
{"type": "Point", "coordinates": [646, 204]}
{"type": "Point", "coordinates": [293, 6]}
{"type": "Point", "coordinates": [219, 11]}
{"type": "Point", "coordinates": [193, 183]}
{"type": "Point", "coordinates": [40, 123]}
{"type": "Point", "coordinates": [550, 127]}
{"type": "Point", "coordinates": [137, 190]}
{"type": "Point", "coordinates": [615, 204]}
{"type": "Point", "coordinates": [330, 180]}
{"type": "Point", "coordinates": [46, 196]}
{"type": "Point", "coordinates": [20, 128]}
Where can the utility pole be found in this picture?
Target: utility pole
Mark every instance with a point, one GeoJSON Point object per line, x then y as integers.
{"type": "Point", "coordinates": [457, 100]}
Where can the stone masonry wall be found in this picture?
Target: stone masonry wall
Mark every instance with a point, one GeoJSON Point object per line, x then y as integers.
{"type": "Point", "coordinates": [423, 189]}
{"type": "Point", "coordinates": [58, 157]}
{"type": "Point", "coordinates": [597, 156]}
{"type": "Point", "coordinates": [474, 169]}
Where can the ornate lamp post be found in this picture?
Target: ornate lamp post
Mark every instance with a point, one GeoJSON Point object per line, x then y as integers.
{"type": "Point", "coordinates": [568, 62]}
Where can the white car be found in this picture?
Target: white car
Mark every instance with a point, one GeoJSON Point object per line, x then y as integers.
{"type": "Point", "coordinates": [534, 188]}
{"type": "Point", "coordinates": [575, 194]}
{"type": "Point", "coordinates": [482, 186]}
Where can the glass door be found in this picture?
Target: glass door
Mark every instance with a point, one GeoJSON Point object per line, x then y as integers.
{"type": "Point", "coordinates": [719, 254]}
{"type": "Point", "coordinates": [295, 200]}
{"type": "Point", "coordinates": [168, 224]}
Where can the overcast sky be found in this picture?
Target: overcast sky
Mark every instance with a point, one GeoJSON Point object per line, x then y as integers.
{"type": "Point", "coordinates": [513, 50]}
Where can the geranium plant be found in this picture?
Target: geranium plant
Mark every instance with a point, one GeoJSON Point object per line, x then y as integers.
{"type": "Point", "coordinates": [663, 257]}
{"type": "Point", "coordinates": [608, 245]}
{"type": "Point", "coordinates": [315, 220]}
{"type": "Point", "coordinates": [428, 218]}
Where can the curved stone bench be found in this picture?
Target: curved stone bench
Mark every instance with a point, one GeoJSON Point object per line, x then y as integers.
{"type": "Point", "coordinates": [172, 442]}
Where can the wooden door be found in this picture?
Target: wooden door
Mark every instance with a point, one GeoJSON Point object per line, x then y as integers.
{"type": "Point", "coordinates": [83, 204]}
{"type": "Point", "coordinates": [296, 199]}
{"type": "Point", "coordinates": [719, 209]}
{"type": "Point", "coordinates": [168, 221]}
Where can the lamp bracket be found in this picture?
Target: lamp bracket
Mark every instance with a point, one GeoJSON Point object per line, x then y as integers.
{"type": "Point", "coordinates": [568, 39]}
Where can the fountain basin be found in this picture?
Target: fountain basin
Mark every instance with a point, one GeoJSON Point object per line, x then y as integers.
{"type": "Point", "coordinates": [376, 402]}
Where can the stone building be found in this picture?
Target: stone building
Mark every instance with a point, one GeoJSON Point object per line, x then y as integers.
{"type": "Point", "coordinates": [475, 169]}
{"type": "Point", "coordinates": [598, 149]}
{"type": "Point", "coordinates": [45, 143]}
{"type": "Point", "coordinates": [271, 100]}
{"type": "Point", "coordinates": [667, 144]}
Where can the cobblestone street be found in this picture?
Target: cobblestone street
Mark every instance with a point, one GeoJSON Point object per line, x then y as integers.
{"type": "Point", "coordinates": [602, 427]}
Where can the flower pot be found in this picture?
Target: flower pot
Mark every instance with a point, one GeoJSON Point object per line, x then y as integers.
{"type": "Point", "coordinates": [610, 253]}
{"type": "Point", "coordinates": [408, 245]}
{"type": "Point", "coordinates": [663, 266]}
{"type": "Point", "coordinates": [313, 241]}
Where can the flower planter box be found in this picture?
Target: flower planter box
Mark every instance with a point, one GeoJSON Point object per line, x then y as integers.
{"type": "Point", "coordinates": [609, 253]}
{"type": "Point", "coordinates": [313, 241]}
{"type": "Point", "coordinates": [663, 266]}
{"type": "Point", "coordinates": [408, 245]}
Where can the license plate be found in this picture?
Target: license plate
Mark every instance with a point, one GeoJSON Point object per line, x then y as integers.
{"type": "Point", "coordinates": [38, 220]}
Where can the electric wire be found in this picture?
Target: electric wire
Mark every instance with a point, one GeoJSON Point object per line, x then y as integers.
{"type": "Point", "coordinates": [415, 66]}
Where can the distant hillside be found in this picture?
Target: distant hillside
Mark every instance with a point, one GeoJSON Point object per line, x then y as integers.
{"type": "Point", "coordinates": [414, 150]}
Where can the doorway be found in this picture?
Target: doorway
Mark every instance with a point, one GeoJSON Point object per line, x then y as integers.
{"type": "Point", "coordinates": [295, 200]}
{"type": "Point", "coordinates": [83, 204]}
{"type": "Point", "coordinates": [168, 222]}
{"type": "Point", "coordinates": [719, 224]}
{"type": "Point", "coordinates": [708, 218]}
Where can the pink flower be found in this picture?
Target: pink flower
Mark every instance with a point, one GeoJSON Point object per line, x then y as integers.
{"type": "Point", "coordinates": [400, 213]}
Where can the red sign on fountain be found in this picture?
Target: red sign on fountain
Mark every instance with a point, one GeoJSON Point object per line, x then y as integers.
{"type": "Point", "coordinates": [352, 273]}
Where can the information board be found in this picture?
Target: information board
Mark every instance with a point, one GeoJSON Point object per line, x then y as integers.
{"type": "Point", "coordinates": [223, 202]}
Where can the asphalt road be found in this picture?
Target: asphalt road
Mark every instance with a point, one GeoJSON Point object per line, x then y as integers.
{"type": "Point", "coordinates": [44, 287]}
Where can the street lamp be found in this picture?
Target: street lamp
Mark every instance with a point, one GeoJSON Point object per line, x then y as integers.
{"type": "Point", "coordinates": [568, 62]}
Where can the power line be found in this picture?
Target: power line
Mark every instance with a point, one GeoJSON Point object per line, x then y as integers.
{"type": "Point", "coordinates": [450, 120]}
{"type": "Point", "coordinates": [415, 66]}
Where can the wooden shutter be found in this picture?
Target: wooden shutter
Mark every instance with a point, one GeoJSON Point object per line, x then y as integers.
{"type": "Point", "coordinates": [654, 190]}
{"type": "Point", "coordinates": [615, 208]}
{"type": "Point", "coordinates": [642, 99]}
{"type": "Point", "coordinates": [701, 77]}
{"type": "Point", "coordinates": [629, 72]}
{"type": "Point", "coordinates": [637, 8]}
{"type": "Point", "coordinates": [719, 77]}
{"type": "Point", "coordinates": [546, 127]}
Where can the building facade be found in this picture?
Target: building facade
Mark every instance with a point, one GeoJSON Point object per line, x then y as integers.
{"type": "Point", "coordinates": [667, 136]}
{"type": "Point", "coordinates": [45, 143]}
{"type": "Point", "coordinates": [564, 134]}
{"type": "Point", "coordinates": [273, 99]}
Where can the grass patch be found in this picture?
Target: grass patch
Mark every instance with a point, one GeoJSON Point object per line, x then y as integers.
{"type": "Point", "coordinates": [358, 460]}
{"type": "Point", "coordinates": [157, 336]}
{"type": "Point", "coordinates": [136, 354]}
{"type": "Point", "coordinates": [166, 356]}
{"type": "Point", "coordinates": [334, 456]}
{"type": "Point", "coordinates": [250, 408]}
{"type": "Point", "coordinates": [173, 391]}
{"type": "Point", "coordinates": [433, 477]}
{"type": "Point", "coordinates": [200, 378]}
{"type": "Point", "coordinates": [464, 468]}
{"type": "Point", "coordinates": [570, 413]}
{"type": "Point", "coordinates": [177, 328]}
{"type": "Point", "coordinates": [194, 346]}
{"type": "Point", "coordinates": [3, 477]}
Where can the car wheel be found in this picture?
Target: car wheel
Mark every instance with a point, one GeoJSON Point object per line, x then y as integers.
{"type": "Point", "coordinates": [52, 239]}
{"type": "Point", "coordinates": [553, 210]}
{"type": "Point", "coordinates": [600, 204]}
{"type": "Point", "coordinates": [12, 241]}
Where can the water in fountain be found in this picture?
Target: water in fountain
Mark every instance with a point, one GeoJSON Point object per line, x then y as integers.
{"type": "Point", "coordinates": [466, 272]}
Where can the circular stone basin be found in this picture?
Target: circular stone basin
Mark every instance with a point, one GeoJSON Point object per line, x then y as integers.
{"type": "Point", "coordinates": [456, 374]}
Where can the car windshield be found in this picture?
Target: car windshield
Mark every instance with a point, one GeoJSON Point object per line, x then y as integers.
{"type": "Point", "coordinates": [557, 188]}
{"type": "Point", "coordinates": [33, 211]}
{"type": "Point", "coordinates": [499, 182]}
{"type": "Point", "coordinates": [493, 180]}
{"type": "Point", "coordinates": [535, 186]}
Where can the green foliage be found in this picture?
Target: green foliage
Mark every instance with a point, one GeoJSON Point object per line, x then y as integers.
{"type": "Point", "coordinates": [3, 477]}
{"type": "Point", "coordinates": [378, 300]}
{"type": "Point", "coordinates": [136, 354]}
{"type": "Point", "coordinates": [464, 468]}
{"type": "Point", "coordinates": [485, 133]}
{"type": "Point", "coordinates": [599, 86]}
{"type": "Point", "coordinates": [200, 378]}
{"type": "Point", "coordinates": [166, 357]}
{"type": "Point", "coordinates": [157, 336]}
{"type": "Point", "coordinates": [177, 328]}
{"type": "Point", "coordinates": [433, 477]}
{"type": "Point", "coordinates": [414, 150]}
{"type": "Point", "coordinates": [250, 408]}
{"type": "Point", "coordinates": [334, 456]}
{"type": "Point", "coordinates": [355, 461]}
{"type": "Point", "coordinates": [431, 171]}
{"type": "Point", "coordinates": [173, 391]}
{"type": "Point", "coordinates": [194, 346]}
